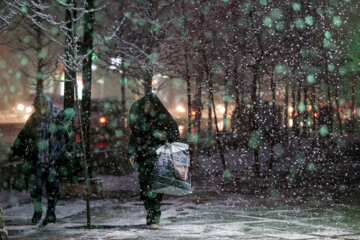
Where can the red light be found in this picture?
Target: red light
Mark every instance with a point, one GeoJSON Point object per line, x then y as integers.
{"type": "Point", "coordinates": [193, 113]}
{"type": "Point", "coordinates": [102, 120]}
{"type": "Point", "coordinates": [355, 111]}
{"type": "Point", "coordinates": [339, 109]}
{"type": "Point", "coordinates": [192, 130]}
{"type": "Point", "coordinates": [347, 106]}
{"type": "Point", "coordinates": [308, 109]}
{"type": "Point", "coordinates": [321, 105]}
{"type": "Point", "coordinates": [101, 145]}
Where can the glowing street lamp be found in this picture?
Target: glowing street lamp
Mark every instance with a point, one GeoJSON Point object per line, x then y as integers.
{"type": "Point", "coordinates": [180, 109]}
{"type": "Point", "coordinates": [221, 108]}
{"type": "Point", "coordinates": [21, 107]}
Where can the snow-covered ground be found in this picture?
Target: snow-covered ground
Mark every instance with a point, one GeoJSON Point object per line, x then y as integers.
{"type": "Point", "coordinates": [209, 213]}
{"type": "Point", "coordinates": [303, 197]}
{"type": "Point", "coordinates": [198, 216]}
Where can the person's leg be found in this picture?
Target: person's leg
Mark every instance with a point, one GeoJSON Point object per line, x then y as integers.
{"type": "Point", "coordinates": [152, 205]}
{"type": "Point", "coordinates": [35, 187]}
{"type": "Point", "coordinates": [151, 199]}
{"type": "Point", "coordinates": [52, 192]}
{"type": "Point", "coordinates": [3, 232]}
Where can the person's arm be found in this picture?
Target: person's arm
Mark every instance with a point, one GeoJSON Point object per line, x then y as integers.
{"type": "Point", "coordinates": [131, 149]}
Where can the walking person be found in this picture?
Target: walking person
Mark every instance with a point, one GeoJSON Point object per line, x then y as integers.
{"type": "Point", "coordinates": [37, 143]}
{"type": "Point", "coordinates": [151, 126]}
{"type": "Point", "coordinates": [3, 232]}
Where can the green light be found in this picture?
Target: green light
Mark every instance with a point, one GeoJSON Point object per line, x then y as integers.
{"type": "Point", "coordinates": [311, 167]}
{"type": "Point", "coordinates": [23, 61]}
{"type": "Point", "coordinates": [337, 21]}
{"type": "Point", "coordinates": [319, 11]}
{"type": "Point", "coordinates": [324, 130]}
{"type": "Point", "coordinates": [54, 30]}
{"type": "Point", "coordinates": [94, 57]}
{"type": "Point", "coordinates": [280, 26]}
{"type": "Point", "coordinates": [302, 107]}
{"type": "Point", "coordinates": [26, 39]}
{"type": "Point", "coordinates": [18, 75]}
{"type": "Point", "coordinates": [268, 22]}
{"type": "Point", "coordinates": [309, 20]}
{"type": "Point", "coordinates": [296, 6]}
{"type": "Point", "coordinates": [310, 79]}
{"type": "Point", "coordinates": [280, 68]}
{"type": "Point", "coordinates": [299, 23]}
{"type": "Point", "coordinates": [331, 67]}
{"type": "Point", "coordinates": [328, 35]}
{"type": "Point", "coordinates": [227, 98]}
{"type": "Point", "coordinates": [12, 88]}
{"type": "Point", "coordinates": [276, 13]}
{"type": "Point", "coordinates": [24, 9]}
{"type": "Point", "coordinates": [263, 2]}
{"type": "Point", "coordinates": [226, 174]}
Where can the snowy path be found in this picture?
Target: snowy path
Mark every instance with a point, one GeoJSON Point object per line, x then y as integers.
{"type": "Point", "coordinates": [193, 217]}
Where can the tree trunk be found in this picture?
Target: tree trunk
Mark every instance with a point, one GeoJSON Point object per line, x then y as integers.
{"type": "Point", "coordinates": [218, 135]}
{"type": "Point", "coordinates": [40, 65]}
{"type": "Point", "coordinates": [305, 113]}
{"type": "Point", "coordinates": [293, 101]}
{"type": "Point", "coordinates": [195, 130]}
{"type": "Point", "coordinates": [254, 118]}
{"type": "Point", "coordinates": [353, 98]}
{"type": "Point", "coordinates": [273, 107]}
{"type": "Point", "coordinates": [70, 74]}
{"type": "Point", "coordinates": [298, 119]}
{"type": "Point", "coordinates": [338, 110]}
{"type": "Point", "coordinates": [86, 98]}
{"type": "Point", "coordinates": [123, 100]}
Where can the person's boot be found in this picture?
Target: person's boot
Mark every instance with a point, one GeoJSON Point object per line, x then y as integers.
{"type": "Point", "coordinates": [36, 217]}
{"type": "Point", "coordinates": [154, 226]}
{"type": "Point", "coordinates": [49, 218]}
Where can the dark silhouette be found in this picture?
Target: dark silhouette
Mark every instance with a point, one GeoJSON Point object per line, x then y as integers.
{"type": "Point", "coordinates": [39, 145]}
{"type": "Point", "coordinates": [152, 126]}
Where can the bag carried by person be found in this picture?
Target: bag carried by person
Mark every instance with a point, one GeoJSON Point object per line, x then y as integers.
{"type": "Point", "coordinates": [171, 170]}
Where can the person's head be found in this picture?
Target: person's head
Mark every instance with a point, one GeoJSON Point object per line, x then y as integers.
{"type": "Point", "coordinates": [41, 104]}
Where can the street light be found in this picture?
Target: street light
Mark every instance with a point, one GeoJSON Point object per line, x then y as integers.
{"type": "Point", "coordinates": [180, 109]}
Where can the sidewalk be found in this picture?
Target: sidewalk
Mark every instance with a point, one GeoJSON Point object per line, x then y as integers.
{"type": "Point", "coordinates": [191, 218]}
{"type": "Point", "coordinates": [198, 216]}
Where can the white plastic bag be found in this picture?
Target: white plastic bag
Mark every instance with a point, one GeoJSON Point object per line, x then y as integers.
{"type": "Point", "coordinates": [171, 169]}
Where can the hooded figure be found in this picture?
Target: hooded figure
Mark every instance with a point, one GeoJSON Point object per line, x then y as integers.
{"type": "Point", "coordinates": [38, 144]}
{"type": "Point", "coordinates": [151, 126]}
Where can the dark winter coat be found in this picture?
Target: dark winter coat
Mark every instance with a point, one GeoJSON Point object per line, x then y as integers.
{"type": "Point", "coordinates": [37, 142]}
{"type": "Point", "coordinates": [146, 129]}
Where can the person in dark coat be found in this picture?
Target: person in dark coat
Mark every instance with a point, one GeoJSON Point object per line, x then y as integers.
{"type": "Point", "coordinates": [38, 144]}
{"type": "Point", "coordinates": [151, 126]}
